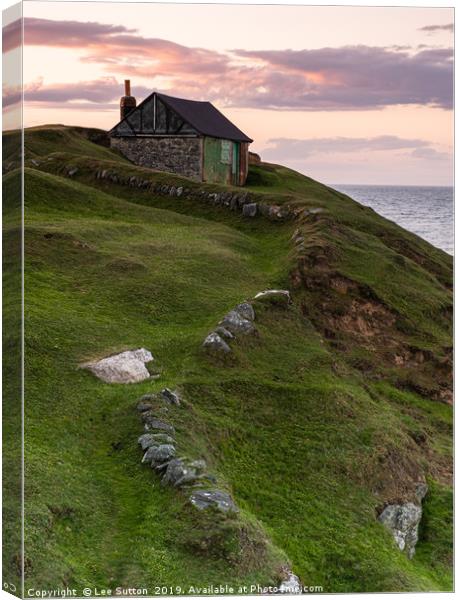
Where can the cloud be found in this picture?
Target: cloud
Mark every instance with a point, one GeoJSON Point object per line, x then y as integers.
{"type": "Point", "coordinates": [70, 34]}
{"type": "Point", "coordinates": [97, 91]}
{"type": "Point", "coordinates": [436, 28]}
{"type": "Point", "coordinates": [102, 93]}
{"type": "Point", "coordinates": [324, 79]}
{"type": "Point", "coordinates": [299, 149]}
{"type": "Point", "coordinates": [429, 154]}
{"type": "Point", "coordinates": [359, 77]}
{"type": "Point", "coordinates": [116, 45]}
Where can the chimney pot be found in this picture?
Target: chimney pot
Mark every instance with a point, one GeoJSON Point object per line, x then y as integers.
{"type": "Point", "coordinates": [127, 87]}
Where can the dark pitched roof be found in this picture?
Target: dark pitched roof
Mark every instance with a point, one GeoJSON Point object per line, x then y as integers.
{"type": "Point", "coordinates": [202, 116]}
{"type": "Point", "coordinates": [205, 118]}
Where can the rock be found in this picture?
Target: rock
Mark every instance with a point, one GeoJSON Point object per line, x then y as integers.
{"type": "Point", "coordinates": [203, 499]}
{"type": "Point", "coordinates": [154, 439]}
{"type": "Point", "coordinates": [179, 473]}
{"type": "Point", "coordinates": [282, 297]}
{"type": "Point", "coordinates": [250, 210]}
{"type": "Point", "coordinates": [243, 199]}
{"type": "Point", "coordinates": [235, 323]}
{"type": "Point", "coordinates": [152, 422]}
{"type": "Point", "coordinates": [146, 440]}
{"type": "Point", "coordinates": [126, 367]}
{"type": "Point", "coordinates": [403, 520]}
{"type": "Point", "coordinates": [72, 172]}
{"type": "Point", "coordinates": [199, 465]}
{"type": "Point", "coordinates": [179, 191]}
{"type": "Point", "coordinates": [246, 311]}
{"type": "Point", "coordinates": [144, 406]}
{"type": "Point", "coordinates": [35, 162]}
{"type": "Point", "coordinates": [225, 333]}
{"type": "Point", "coordinates": [171, 397]}
{"type": "Point", "coordinates": [215, 343]}
{"type": "Point", "coordinates": [290, 585]}
{"type": "Point", "coordinates": [264, 209]}
{"type": "Point", "coordinates": [148, 397]}
{"type": "Point", "coordinates": [158, 455]}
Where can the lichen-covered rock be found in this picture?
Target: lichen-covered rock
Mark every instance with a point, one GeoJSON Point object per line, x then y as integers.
{"type": "Point", "coordinates": [170, 396]}
{"type": "Point", "coordinates": [246, 311]}
{"type": "Point", "coordinates": [152, 423]}
{"type": "Point", "coordinates": [282, 297]}
{"type": "Point", "coordinates": [290, 585]}
{"type": "Point", "coordinates": [203, 499]}
{"type": "Point", "coordinates": [215, 343]}
{"type": "Point", "coordinates": [179, 473]}
{"type": "Point", "coordinates": [275, 212]}
{"type": "Point", "coordinates": [250, 210]}
{"type": "Point", "coordinates": [235, 323]}
{"type": "Point", "coordinates": [126, 367]}
{"type": "Point", "coordinates": [224, 333]}
{"type": "Point", "coordinates": [158, 455]}
{"type": "Point", "coordinates": [199, 464]}
{"type": "Point", "coordinates": [403, 520]}
{"type": "Point", "coordinates": [154, 439]}
{"type": "Point", "coordinates": [144, 406]}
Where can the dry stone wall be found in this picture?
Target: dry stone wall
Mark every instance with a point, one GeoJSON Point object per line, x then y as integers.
{"type": "Point", "coordinates": [244, 202]}
{"type": "Point", "coordinates": [171, 154]}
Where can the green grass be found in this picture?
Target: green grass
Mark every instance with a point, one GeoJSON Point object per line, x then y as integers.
{"type": "Point", "coordinates": [311, 433]}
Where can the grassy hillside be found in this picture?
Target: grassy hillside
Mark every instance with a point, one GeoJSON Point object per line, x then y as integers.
{"type": "Point", "coordinates": [339, 405]}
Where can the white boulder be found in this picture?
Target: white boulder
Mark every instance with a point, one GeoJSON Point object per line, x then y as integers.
{"type": "Point", "coordinates": [126, 367]}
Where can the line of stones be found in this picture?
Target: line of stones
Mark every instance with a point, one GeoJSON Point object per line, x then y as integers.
{"type": "Point", "coordinates": [240, 320]}
{"type": "Point", "coordinates": [236, 201]}
{"type": "Point", "coordinates": [158, 444]}
{"type": "Point", "coordinates": [245, 202]}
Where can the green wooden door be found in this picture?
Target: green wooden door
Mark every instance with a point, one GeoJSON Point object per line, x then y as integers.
{"type": "Point", "coordinates": [235, 162]}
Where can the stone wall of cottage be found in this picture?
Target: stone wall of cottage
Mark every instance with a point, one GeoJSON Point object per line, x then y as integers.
{"type": "Point", "coordinates": [181, 155]}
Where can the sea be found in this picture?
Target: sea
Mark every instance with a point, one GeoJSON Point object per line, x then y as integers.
{"type": "Point", "coordinates": [426, 211]}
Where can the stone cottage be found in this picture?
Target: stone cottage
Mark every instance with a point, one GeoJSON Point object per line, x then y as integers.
{"type": "Point", "coordinates": [180, 136]}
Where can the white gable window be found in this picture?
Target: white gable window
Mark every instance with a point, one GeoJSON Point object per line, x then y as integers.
{"type": "Point", "coordinates": [226, 152]}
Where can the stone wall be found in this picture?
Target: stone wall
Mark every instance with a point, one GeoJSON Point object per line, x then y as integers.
{"type": "Point", "coordinates": [181, 155]}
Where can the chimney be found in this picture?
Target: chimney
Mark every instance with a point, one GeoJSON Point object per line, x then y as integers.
{"type": "Point", "coordinates": [127, 102]}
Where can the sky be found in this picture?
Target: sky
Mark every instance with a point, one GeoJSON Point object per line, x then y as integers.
{"type": "Point", "coordinates": [342, 94]}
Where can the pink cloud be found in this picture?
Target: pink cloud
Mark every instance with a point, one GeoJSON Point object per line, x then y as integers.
{"type": "Point", "coordinates": [347, 78]}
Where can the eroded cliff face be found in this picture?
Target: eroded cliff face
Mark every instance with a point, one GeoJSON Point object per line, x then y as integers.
{"type": "Point", "coordinates": [368, 325]}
